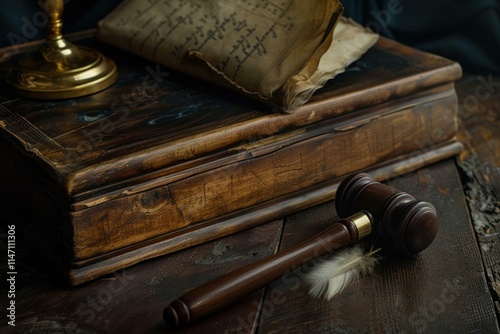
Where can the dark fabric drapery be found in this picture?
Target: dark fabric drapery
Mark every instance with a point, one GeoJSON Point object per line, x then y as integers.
{"type": "Point", "coordinates": [462, 30]}
{"type": "Point", "coordinates": [23, 20]}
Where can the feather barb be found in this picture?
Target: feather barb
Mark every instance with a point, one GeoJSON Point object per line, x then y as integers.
{"type": "Point", "coordinates": [333, 276]}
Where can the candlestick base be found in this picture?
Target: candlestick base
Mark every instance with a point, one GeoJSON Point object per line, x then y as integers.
{"type": "Point", "coordinates": [60, 70]}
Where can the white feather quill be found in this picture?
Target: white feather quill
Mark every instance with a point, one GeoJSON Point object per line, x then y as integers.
{"type": "Point", "coordinates": [332, 276]}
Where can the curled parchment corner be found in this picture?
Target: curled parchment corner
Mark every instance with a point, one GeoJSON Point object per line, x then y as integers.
{"type": "Point", "coordinates": [349, 42]}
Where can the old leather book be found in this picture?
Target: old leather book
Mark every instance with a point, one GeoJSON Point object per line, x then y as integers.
{"type": "Point", "coordinates": [161, 161]}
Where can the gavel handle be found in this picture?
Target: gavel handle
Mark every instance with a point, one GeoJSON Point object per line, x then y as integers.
{"type": "Point", "coordinates": [223, 291]}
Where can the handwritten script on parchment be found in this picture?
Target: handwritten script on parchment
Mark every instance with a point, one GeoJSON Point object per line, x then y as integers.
{"type": "Point", "coordinates": [271, 50]}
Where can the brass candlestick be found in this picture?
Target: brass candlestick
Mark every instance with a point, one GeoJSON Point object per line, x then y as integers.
{"type": "Point", "coordinates": [60, 69]}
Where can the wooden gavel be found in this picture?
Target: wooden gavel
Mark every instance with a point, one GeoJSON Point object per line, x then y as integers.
{"type": "Point", "coordinates": [395, 219]}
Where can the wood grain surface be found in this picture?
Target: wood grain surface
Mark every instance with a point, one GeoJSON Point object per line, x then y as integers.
{"type": "Point", "coordinates": [443, 289]}
{"type": "Point", "coordinates": [479, 113]}
{"type": "Point", "coordinates": [132, 300]}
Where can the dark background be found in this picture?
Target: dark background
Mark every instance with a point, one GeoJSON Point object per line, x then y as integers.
{"type": "Point", "coordinates": [467, 31]}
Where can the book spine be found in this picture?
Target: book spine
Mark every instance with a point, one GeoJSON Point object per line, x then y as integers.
{"type": "Point", "coordinates": [271, 170]}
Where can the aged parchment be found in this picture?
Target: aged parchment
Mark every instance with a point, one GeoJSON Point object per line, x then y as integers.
{"type": "Point", "coordinates": [277, 51]}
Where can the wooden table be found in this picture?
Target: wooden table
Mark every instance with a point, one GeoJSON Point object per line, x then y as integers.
{"type": "Point", "coordinates": [453, 286]}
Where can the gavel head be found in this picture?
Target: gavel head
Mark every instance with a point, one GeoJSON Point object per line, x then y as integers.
{"type": "Point", "coordinates": [399, 220]}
